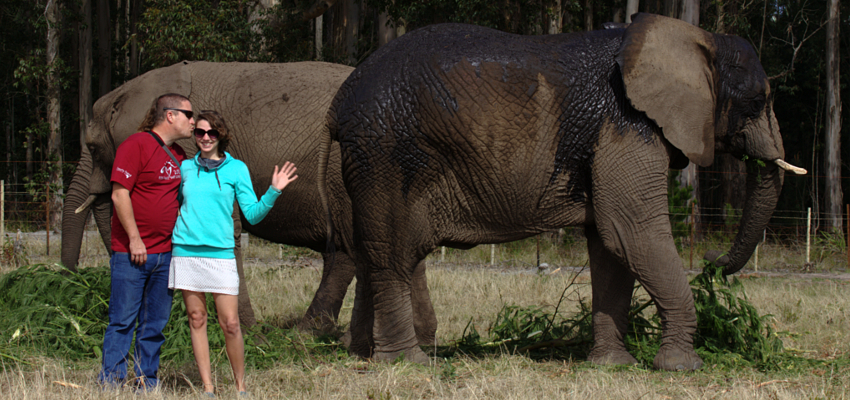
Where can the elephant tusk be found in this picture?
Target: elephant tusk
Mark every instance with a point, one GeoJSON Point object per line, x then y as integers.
{"type": "Point", "coordinates": [86, 204]}
{"type": "Point", "coordinates": [788, 167]}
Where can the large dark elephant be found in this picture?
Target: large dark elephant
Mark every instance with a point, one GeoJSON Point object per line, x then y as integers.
{"type": "Point", "coordinates": [276, 113]}
{"type": "Point", "coordinates": [459, 135]}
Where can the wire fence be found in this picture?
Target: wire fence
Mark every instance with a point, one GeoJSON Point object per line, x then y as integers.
{"type": "Point", "coordinates": [25, 208]}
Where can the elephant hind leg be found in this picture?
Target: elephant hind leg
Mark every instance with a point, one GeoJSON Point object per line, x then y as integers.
{"type": "Point", "coordinates": [612, 288]}
{"type": "Point", "coordinates": [337, 273]}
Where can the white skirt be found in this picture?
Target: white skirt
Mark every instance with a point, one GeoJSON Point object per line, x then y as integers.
{"type": "Point", "coordinates": [201, 274]}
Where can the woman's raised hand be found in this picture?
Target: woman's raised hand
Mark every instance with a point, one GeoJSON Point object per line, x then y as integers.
{"type": "Point", "coordinates": [283, 177]}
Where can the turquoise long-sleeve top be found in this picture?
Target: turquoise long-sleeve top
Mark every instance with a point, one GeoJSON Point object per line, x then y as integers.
{"type": "Point", "coordinates": [205, 227]}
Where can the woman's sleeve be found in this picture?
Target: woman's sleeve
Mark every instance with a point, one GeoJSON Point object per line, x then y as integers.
{"type": "Point", "coordinates": [253, 210]}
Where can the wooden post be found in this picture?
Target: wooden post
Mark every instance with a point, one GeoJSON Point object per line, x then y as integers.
{"type": "Point", "coordinates": [808, 234]}
{"type": "Point", "coordinates": [847, 237]}
{"type": "Point", "coordinates": [492, 254]}
{"type": "Point", "coordinates": [442, 254]}
{"type": "Point", "coordinates": [537, 238]}
{"type": "Point", "coordinates": [2, 211]}
{"type": "Point", "coordinates": [756, 259]}
{"type": "Point", "coordinates": [47, 214]}
{"type": "Point", "coordinates": [692, 235]}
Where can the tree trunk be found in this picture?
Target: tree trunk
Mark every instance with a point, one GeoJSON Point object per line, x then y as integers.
{"type": "Point", "coordinates": [833, 119]}
{"type": "Point", "coordinates": [690, 12]}
{"type": "Point", "coordinates": [352, 29]}
{"type": "Point", "coordinates": [385, 33]}
{"type": "Point", "coordinates": [672, 8]}
{"type": "Point", "coordinates": [104, 61]}
{"type": "Point", "coordinates": [690, 175]}
{"type": "Point", "coordinates": [618, 16]}
{"type": "Point", "coordinates": [588, 15]}
{"type": "Point", "coordinates": [85, 51]}
{"type": "Point", "coordinates": [631, 8]}
{"type": "Point", "coordinates": [554, 20]}
{"type": "Point", "coordinates": [54, 140]}
{"type": "Point", "coordinates": [135, 7]}
{"type": "Point", "coordinates": [257, 13]}
{"type": "Point", "coordinates": [126, 37]}
{"type": "Point", "coordinates": [319, 21]}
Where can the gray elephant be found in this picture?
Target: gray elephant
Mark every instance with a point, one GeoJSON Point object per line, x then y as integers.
{"type": "Point", "coordinates": [276, 113]}
{"type": "Point", "coordinates": [459, 135]}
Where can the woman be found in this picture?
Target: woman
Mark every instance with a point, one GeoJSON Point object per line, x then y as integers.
{"type": "Point", "coordinates": [203, 260]}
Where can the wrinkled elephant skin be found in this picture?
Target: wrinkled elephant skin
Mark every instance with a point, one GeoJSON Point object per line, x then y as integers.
{"type": "Point", "coordinates": [461, 135]}
{"type": "Point", "coordinates": [276, 113]}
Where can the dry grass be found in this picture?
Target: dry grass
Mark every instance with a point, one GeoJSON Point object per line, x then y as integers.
{"type": "Point", "coordinates": [811, 317]}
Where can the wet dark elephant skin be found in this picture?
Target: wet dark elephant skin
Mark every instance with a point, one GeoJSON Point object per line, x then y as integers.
{"type": "Point", "coordinates": [460, 135]}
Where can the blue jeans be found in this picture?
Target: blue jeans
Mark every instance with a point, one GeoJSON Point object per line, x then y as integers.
{"type": "Point", "coordinates": [140, 295]}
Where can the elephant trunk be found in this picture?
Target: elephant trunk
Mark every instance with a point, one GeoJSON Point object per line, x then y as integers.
{"type": "Point", "coordinates": [763, 186]}
{"type": "Point", "coordinates": [74, 222]}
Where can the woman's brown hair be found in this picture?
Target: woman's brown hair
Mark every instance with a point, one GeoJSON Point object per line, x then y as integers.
{"type": "Point", "coordinates": [156, 113]}
{"type": "Point", "coordinates": [216, 122]}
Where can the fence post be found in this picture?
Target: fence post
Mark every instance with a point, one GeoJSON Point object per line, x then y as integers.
{"type": "Point", "coordinates": [47, 214]}
{"type": "Point", "coordinates": [847, 237]}
{"type": "Point", "coordinates": [808, 234]}
{"type": "Point", "coordinates": [763, 238]}
{"type": "Point", "coordinates": [537, 238]}
{"type": "Point", "coordinates": [492, 254]}
{"type": "Point", "coordinates": [442, 254]}
{"type": "Point", "coordinates": [3, 211]}
{"type": "Point", "coordinates": [692, 235]}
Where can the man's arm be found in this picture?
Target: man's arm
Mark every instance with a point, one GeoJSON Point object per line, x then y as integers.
{"type": "Point", "coordinates": [124, 208]}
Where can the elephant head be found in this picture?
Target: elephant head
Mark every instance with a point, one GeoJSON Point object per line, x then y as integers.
{"type": "Point", "coordinates": [116, 116]}
{"type": "Point", "coordinates": [709, 92]}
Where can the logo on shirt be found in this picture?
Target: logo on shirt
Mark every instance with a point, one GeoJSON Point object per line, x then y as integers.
{"type": "Point", "coordinates": [127, 175]}
{"type": "Point", "coordinates": [169, 171]}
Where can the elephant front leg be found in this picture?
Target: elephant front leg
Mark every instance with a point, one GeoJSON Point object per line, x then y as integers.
{"type": "Point", "coordinates": [612, 293]}
{"type": "Point", "coordinates": [648, 250]}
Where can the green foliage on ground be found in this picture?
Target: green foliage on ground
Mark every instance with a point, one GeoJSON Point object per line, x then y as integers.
{"type": "Point", "coordinates": [49, 310]}
{"type": "Point", "coordinates": [729, 329]}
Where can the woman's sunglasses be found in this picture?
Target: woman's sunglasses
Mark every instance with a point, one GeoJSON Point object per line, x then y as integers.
{"type": "Point", "coordinates": [199, 133]}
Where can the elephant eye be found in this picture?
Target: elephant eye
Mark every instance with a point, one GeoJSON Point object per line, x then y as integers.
{"type": "Point", "coordinates": [757, 105]}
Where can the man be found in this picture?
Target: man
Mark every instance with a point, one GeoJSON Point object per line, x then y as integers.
{"type": "Point", "coordinates": [145, 184]}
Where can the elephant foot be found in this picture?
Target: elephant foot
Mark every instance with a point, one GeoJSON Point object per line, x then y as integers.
{"type": "Point", "coordinates": [673, 358]}
{"type": "Point", "coordinates": [600, 356]}
{"type": "Point", "coordinates": [346, 338]}
{"type": "Point", "coordinates": [317, 326]}
{"type": "Point", "coordinates": [427, 338]}
{"type": "Point", "coordinates": [413, 354]}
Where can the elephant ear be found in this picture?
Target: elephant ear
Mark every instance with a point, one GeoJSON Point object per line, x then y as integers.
{"type": "Point", "coordinates": [668, 71]}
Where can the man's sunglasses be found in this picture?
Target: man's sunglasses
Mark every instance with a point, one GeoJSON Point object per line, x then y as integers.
{"type": "Point", "coordinates": [199, 133]}
{"type": "Point", "coordinates": [187, 112]}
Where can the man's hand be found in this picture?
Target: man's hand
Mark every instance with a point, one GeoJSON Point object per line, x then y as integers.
{"type": "Point", "coordinates": [124, 209]}
{"type": "Point", "coordinates": [138, 252]}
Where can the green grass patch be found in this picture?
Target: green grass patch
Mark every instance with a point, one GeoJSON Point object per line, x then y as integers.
{"type": "Point", "coordinates": [51, 311]}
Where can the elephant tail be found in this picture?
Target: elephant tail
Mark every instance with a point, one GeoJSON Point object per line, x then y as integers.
{"type": "Point", "coordinates": [328, 132]}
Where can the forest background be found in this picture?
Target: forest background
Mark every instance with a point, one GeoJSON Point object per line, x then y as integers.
{"type": "Point", "coordinates": [58, 56]}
